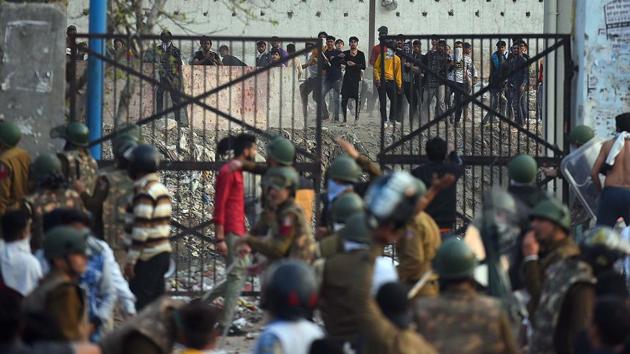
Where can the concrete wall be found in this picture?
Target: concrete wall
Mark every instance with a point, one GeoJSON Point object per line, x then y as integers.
{"type": "Point", "coordinates": [32, 71]}
{"type": "Point", "coordinates": [345, 18]}
{"type": "Point", "coordinates": [270, 99]}
{"type": "Point", "coordinates": [602, 89]}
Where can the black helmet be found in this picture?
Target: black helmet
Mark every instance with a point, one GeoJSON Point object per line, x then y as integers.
{"type": "Point", "coordinates": [289, 290]}
{"type": "Point", "coordinates": [143, 159]}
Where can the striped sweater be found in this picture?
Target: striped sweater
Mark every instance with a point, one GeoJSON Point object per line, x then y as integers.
{"type": "Point", "coordinates": [150, 212]}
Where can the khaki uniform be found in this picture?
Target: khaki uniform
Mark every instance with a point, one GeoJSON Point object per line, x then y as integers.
{"type": "Point", "coordinates": [416, 249]}
{"type": "Point", "coordinates": [462, 321]}
{"type": "Point", "coordinates": [64, 301]}
{"type": "Point", "coordinates": [565, 307]}
{"type": "Point", "coordinates": [380, 334]}
{"type": "Point", "coordinates": [79, 165]}
{"type": "Point", "coordinates": [14, 167]}
{"type": "Point", "coordinates": [153, 331]}
{"type": "Point", "coordinates": [289, 235]}
{"type": "Point", "coordinates": [345, 280]}
{"type": "Point", "coordinates": [534, 271]}
{"type": "Point", "coordinates": [45, 201]}
{"type": "Point", "coordinates": [330, 246]}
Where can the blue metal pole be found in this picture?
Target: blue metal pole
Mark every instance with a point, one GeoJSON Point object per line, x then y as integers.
{"type": "Point", "coordinates": [98, 24]}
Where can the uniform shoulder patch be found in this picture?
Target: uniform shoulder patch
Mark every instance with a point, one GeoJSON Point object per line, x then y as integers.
{"type": "Point", "coordinates": [286, 225]}
{"type": "Point", "coordinates": [4, 171]}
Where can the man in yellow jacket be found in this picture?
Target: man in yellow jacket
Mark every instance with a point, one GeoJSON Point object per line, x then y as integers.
{"type": "Point", "coordinates": [388, 80]}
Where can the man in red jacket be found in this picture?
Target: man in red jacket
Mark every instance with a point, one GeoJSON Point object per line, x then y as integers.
{"type": "Point", "coordinates": [229, 220]}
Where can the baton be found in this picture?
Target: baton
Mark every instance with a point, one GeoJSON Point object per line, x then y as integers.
{"type": "Point", "coordinates": [206, 296]}
{"type": "Point", "coordinates": [419, 285]}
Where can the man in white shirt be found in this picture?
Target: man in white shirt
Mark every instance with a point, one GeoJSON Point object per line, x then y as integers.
{"type": "Point", "coordinates": [20, 270]}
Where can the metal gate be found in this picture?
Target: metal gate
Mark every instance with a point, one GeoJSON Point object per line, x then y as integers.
{"type": "Point", "coordinates": [249, 95]}
{"type": "Point", "coordinates": [487, 145]}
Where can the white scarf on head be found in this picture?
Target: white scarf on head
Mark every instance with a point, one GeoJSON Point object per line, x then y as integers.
{"type": "Point", "coordinates": [620, 141]}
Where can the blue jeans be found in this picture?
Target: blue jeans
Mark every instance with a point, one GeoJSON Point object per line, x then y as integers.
{"type": "Point", "coordinates": [614, 202]}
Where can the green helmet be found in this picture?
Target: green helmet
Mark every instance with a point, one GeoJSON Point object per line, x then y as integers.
{"type": "Point", "coordinates": [143, 158]}
{"type": "Point", "coordinates": [281, 150]}
{"type": "Point", "coordinates": [10, 134]}
{"type": "Point", "coordinates": [357, 229]}
{"type": "Point", "coordinates": [345, 169]}
{"type": "Point", "coordinates": [281, 177]}
{"type": "Point", "coordinates": [523, 169]}
{"type": "Point", "coordinates": [554, 211]}
{"type": "Point", "coordinates": [62, 241]}
{"type": "Point", "coordinates": [344, 206]}
{"type": "Point", "coordinates": [45, 165]}
{"type": "Point", "coordinates": [76, 133]}
{"type": "Point", "coordinates": [455, 260]}
{"type": "Point", "coordinates": [581, 134]}
{"type": "Point", "coordinates": [499, 200]}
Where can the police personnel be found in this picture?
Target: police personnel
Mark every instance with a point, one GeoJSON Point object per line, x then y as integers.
{"type": "Point", "coordinates": [149, 256]}
{"type": "Point", "coordinates": [51, 192]}
{"type": "Point", "coordinates": [14, 163]}
{"type": "Point", "coordinates": [560, 284]}
{"type": "Point", "coordinates": [77, 163]}
{"type": "Point", "coordinates": [290, 235]}
{"type": "Point", "coordinates": [59, 296]}
{"type": "Point", "coordinates": [343, 208]}
{"type": "Point", "coordinates": [460, 320]}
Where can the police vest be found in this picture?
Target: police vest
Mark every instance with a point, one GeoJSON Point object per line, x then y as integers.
{"type": "Point", "coordinates": [81, 166]}
{"type": "Point", "coordinates": [114, 207]}
{"type": "Point", "coordinates": [560, 277]}
{"type": "Point", "coordinates": [155, 323]}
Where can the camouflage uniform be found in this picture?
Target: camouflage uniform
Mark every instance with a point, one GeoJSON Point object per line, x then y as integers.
{"type": "Point", "coordinates": [44, 201]}
{"type": "Point", "coordinates": [114, 214]}
{"type": "Point", "coordinates": [330, 246]}
{"type": "Point", "coordinates": [289, 235]}
{"type": "Point", "coordinates": [79, 165]}
{"type": "Point", "coordinates": [565, 281]}
{"type": "Point", "coordinates": [462, 321]}
{"type": "Point", "coordinates": [153, 331]}
{"type": "Point", "coordinates": [416, 249]}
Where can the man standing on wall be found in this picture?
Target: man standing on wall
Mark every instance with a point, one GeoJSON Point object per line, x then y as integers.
{"type": "Point", "coordinates": [263, 58]}
{"type": "Point", "coordinates": [332, 81]}
{"type": "Point", "coordinates": [376, 50]}
{"type": "Point", "coordinates": [205, 56]}
{"type": "Point", "coordinates": [497, 82]}
{"type": "Point", "coordinates": [436, 61]}
{"type": "Point", "coordinates": [388, 81]}
{"type": "Point", "coordinates": [170, 59]}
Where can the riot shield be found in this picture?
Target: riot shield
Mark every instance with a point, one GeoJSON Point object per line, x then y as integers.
{"type": "Point", "coordinates": [576, 169]}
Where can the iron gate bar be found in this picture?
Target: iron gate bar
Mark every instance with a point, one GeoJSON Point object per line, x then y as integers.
{"type": "Point", "coordinates": [473, 98]}
{"type": "Point", "coordinates": [193, 231]}
{"type": "Point", "coordinates": [189, 230]}
{"type": "Point", "coordinates": [187, 100]}
{"type": "Point", "coordinates": [180, 37]}
{"type": "Point", "coordinates": [210, 165]}
{"type": "Point", "coordinates": [413, 159]}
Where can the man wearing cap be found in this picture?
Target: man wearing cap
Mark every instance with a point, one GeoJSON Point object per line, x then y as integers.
{"type": "Point", "coordinates": [560, 286]}
{"type": "Point", "coordinates": [59, 297]}
{"type": "Point", "coordinates": [14, 162]}
{"type": "Point", "coordinates": [460, 320]}
{"type": "Point", "coordinates": [170, 70]}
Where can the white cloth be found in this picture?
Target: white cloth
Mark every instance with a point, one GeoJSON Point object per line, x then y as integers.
{"type": "Point", "coordinates": [384, 272]}
{"type": "Point", "coordinates": [20, 269]}
{"type": "Point", "coordinates": [295, 337]}
{"type": "Point", "coordinates": [619, 143]}
{"type": "Point", "coordinates": [124, 295]}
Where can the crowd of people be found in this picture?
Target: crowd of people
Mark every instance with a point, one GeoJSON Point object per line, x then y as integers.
{"type": "Point", "coordinates": [84, 254]}
{"type": "Point", "coordinates": [417, 84]}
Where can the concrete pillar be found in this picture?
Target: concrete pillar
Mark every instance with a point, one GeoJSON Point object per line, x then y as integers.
{"type": "Point", "coordinates": [32, 71]}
